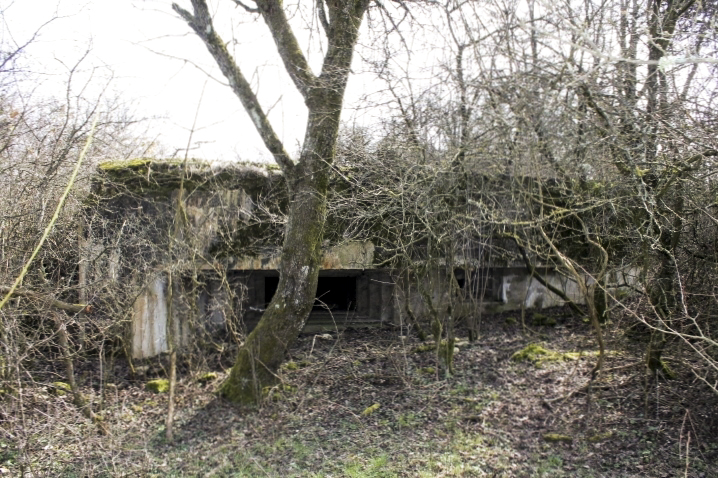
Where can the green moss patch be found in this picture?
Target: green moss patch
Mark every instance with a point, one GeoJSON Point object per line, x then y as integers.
{"type": "Point", "coordinates": [207, 377]}
{"type": "Point", "coordinates": [424, 348]}
{"type": "Point", "coordinates": [537, 354]}
{"type": "Point", "coordinates": [370, 409]}
{"type": "Point", "coordinates": [662, 367]}
{"type": "Point", "coordinates": [125, 164]}
{"type": "Point", "coordinates": [158, 386]}
{"type": "Point", "coordinates": [557, 438]}
{"type": "Point", "coordinates": [599, 437]}
{"type": "Point", "coordinates": [291, 366]}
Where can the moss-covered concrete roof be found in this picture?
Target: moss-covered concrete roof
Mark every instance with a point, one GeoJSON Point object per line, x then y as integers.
{"type": "Point", "coordinates": [150, 177]}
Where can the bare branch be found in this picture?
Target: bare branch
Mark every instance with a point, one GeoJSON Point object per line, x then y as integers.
{"type": "Point", "coordinates": [54, 303]}
{"type": "Point", "coordinates": [201, 23]}
{"type": "Point", "coordinates": [287, 45]}
{"type": "Point", "coordinates": [322, 14]}
{"type": "Point", "coordinates": [246, 7]}
{"type": "Point", "coordinates": [534, 273]}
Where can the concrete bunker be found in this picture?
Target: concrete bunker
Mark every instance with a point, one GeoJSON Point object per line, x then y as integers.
{"type": "Point", "coordinates": [232, 225]}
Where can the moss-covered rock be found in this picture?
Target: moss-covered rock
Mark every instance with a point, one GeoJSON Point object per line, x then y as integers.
{"type": "Point", "coordinates": [510, 321]}
{"type": "Point", "coordinates": [60, 389]}
{"type": "Point", "coordinates": [160, 385]}
{"type": "Point", "coordinates": [424, 348]}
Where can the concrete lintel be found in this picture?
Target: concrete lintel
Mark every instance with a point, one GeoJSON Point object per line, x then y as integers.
{"type": "Point", "coordinates": [347, 256]}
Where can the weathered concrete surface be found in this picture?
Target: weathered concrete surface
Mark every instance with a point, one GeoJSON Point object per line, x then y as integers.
{"type": "Point", "coordinates": [350, 255]}
{"type": "Point", "coordinates": [518, 289]}
{"type": "Point", "coordinates": [510, 288]}
{"type": "Point", "coordinates": [234, 222]}
{"type": "Point", "coordinates": [149, 321]}
{"type": "Point", "coordinates": [149, 324]}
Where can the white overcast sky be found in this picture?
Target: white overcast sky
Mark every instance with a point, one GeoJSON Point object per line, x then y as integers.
{"type": "Point", "coordinates": [159, 67]}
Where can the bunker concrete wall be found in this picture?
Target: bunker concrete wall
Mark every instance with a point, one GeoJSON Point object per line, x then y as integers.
{"type": "Point", "coordinates": [149, 322]}
{"type": "Point", "coordinates": [214, 309]}
{"type": "Point", "coordinates": [227, 211]}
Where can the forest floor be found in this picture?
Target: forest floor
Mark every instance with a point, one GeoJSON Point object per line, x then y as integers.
{"type": "Point", "coordinates": [366, 403]}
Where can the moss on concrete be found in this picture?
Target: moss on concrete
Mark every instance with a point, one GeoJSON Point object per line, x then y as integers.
{"type": "Point", "coordinates": [119, 165]}
{"type": "Point", "coordinates": [150, 177]}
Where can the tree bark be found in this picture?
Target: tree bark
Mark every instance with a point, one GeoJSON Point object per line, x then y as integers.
{"type": "Point", "coordinates": [286, 315]}
{"type": "Point", "coordinates": [307, 179]}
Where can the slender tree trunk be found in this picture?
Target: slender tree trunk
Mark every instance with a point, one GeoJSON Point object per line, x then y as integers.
{"type": "Point", "coordinates": [77, 398]}
{"type": "Point", "coordinates": [82, 278]}
{"type": "Point", "coordinates": [172, 346]}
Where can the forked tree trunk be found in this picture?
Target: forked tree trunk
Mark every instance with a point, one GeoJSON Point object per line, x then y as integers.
{"type": "Point", "coordinates": [307, 179]}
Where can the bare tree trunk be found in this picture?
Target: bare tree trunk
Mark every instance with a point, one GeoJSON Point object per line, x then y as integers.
{"type": "Point", "coordinates": [172, 346]}
{"type": "Point", "coordinates": [281, 323]}
{"type": "Point", "coordinates": [82, 278]}
{"type": "Point", "coordinates": [77, 398]}
{"type": "Point", "coordinates": [307, 179]}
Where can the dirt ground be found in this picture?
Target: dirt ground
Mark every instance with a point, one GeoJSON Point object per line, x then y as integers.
{"type": "Point", "coordinates": [366, 403]}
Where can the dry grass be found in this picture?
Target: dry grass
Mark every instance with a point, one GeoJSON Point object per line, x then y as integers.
{"type": "Point", "coordinates": [490, 419]}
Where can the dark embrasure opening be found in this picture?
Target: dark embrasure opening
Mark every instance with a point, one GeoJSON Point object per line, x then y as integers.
{"type": "Point", "coordinates": [333, 293]}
